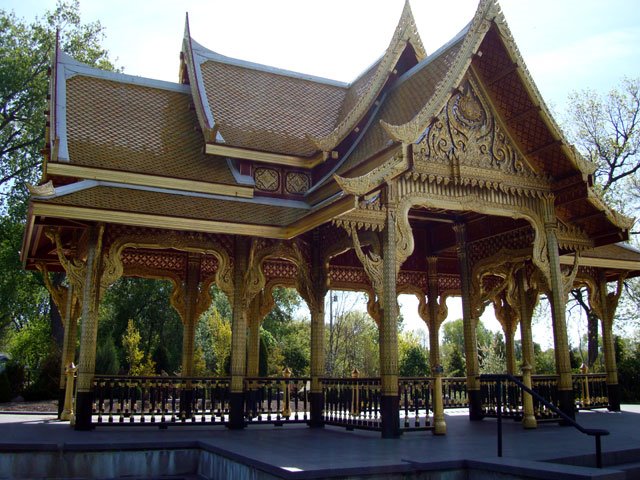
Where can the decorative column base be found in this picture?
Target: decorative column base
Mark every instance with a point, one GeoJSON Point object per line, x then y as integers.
{"type": "Point", "coordinates": [475, 405]}
{"type": "Point", "coordinates": [566, 403]}
{"type": "Point", "coordinates": [613, 392]}
{"type": "Point", "coordinates": [390, 412]}
{"type": "Point", "coordinates": [316, 403]}
{"type": "Point", "coordinates": [84, 411]}
{"type": "Point", "coordinates": [61, 394]}
{"type": "Point", "coordinates": [236, 411]}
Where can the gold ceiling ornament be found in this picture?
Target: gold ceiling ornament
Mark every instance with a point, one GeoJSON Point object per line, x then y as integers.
{"type": "Point", "coordinates": [368, 215]}
{"type": "Point", "coordinates": [73, 267]}
{"type": "Point", "coordinates": [371, 261]}
{"type": "Point", "coordinates": [182, 241]}
{"type": "Point", "coordinates": [44, 190]}
{"type": "Point", "coordinates": [569, 278]}
{"type": "Point", "coordinates": [372, 180]}
{"type": "Point", "coordinates": [60, 295]}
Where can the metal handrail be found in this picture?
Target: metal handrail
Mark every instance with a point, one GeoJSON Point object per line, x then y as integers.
{"type": "Point", "coordinates": [594, 432]}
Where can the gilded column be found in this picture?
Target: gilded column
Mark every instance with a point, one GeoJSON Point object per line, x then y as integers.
{"type": "Point", "coordinates": [389, 331]}
{"type": "Point", "coordinates": [605, 304]}
{"type": "Point", "coordinates": [253, 338]}
{"type": "Point", "coordinates": [558, 305]}
{"type": "Point", "coordinates": [238, 334]}
{"type": "Point", "coordinates": [470, 322]}
{"type": "Point", "coordinates": [71, 313]}
{"type": "Point", "coordinates": [316, 308]}
{"type": "Point", "coordinates": [432, 304]}
{"type": "Point", "coordinates": [436, 316]}
{"type": "Point", "coordinates": [66, 300]}
{"type": "Point", "coordinates": [507, 318]}
{"type": "Point", "coordinates": [526, 301]}
{"type": "Point", "coordinates": [190, 317]}
{"type": "Point", "coordinates": [89, 333]}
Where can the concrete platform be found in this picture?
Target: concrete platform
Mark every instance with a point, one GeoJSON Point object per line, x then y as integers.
{"type": "Point", "coordinates": [301, 452]}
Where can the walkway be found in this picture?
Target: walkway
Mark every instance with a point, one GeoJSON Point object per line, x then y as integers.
{"type": "Point", "coordinates": [297, 451]}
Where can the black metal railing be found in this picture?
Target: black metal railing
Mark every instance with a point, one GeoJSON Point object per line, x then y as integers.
{"type": "Point", "coordinates": [352, 402]}
{"type": "Point", "coordinates": [590, 390]}
{"type": "Point", "coordinates": [160, 400]}
{"type": "Point", "coordinates": [277, 400]}
{"type": "Point", "coordinates": [454, 392]}
{"type": "Point", "coordinates": [415, 402]}
{"type": "Point", "coordinates": [500, 380]}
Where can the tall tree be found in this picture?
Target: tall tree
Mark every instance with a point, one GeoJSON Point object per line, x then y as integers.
{"type": "Point", "coordinates": [25, 54]}
{"type": "Point", "coordinates": [606, 130]}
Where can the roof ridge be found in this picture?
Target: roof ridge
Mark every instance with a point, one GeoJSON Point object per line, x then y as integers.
{"type": "Point", "coordinates": [474, 33]}
{"type": "Point", "coordinates": [208, 54]}
{"type": "Point", "coordinates": [74, 66]}
{"type": "Point", "coordinates": [405, 33]}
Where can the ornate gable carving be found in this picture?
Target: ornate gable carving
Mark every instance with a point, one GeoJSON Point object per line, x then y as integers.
{"type": "Point", "coordinates": [467, 144]}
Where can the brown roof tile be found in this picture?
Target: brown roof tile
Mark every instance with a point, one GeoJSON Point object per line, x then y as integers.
{"type": "Point", "coordinates": [122, 126]}
{"type": "Point", "coordinates": [403, 103]}
{"type": "Point", "coordinates": [264, 110]}
{"type": "Point", "coordinates": [183, 206]}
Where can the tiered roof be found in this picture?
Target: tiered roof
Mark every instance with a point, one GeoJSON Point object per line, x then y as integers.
{"type": "Point", "coordinates": [238, 147]}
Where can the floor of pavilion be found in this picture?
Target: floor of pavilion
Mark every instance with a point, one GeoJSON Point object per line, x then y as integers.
{"type": "Point", "coordinates": [39, 446]}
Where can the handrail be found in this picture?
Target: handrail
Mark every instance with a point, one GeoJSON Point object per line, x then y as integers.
{"type": "Point", "coordinates": [594, 432]}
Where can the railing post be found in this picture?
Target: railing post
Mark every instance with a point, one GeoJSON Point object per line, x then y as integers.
{"type": "Point", "coordinates": [67, 413]}
{"type": "Point", "coordinates": [499, 413]}
{"type": "Point", "coordinates": [355, 393]}
{"type": "Point", "coordinates": [286, 409]}
{"type": "Point", "coordinates": [585, 401]}
{"type": "Point", "coordinates": [440, 426]}
{"type": "Point", "coordinates": [529, 417]}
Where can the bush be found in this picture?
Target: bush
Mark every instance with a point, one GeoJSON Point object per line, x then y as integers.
{"type": "Point", "coordinates": [5, 388]}
{"type": "Point", "coordinates": [47, 382]}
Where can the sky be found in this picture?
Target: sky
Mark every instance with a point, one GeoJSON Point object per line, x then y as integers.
{"type": "Point", "coordinates": [567, 45]}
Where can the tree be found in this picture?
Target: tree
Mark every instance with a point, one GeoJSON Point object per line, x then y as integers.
{"type": "Point", "coordinates": [139, 362]}
{"type": "Point", "coordinates": [25, 54]}
{"type": "Point", "coordinates": [606, 130]}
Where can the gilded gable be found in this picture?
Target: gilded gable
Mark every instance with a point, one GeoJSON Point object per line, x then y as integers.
{"type": "Point", "coordinates": [466, 141]}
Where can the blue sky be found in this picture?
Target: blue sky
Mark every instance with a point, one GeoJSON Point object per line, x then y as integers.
{"type": "Point", "coordinates": [568, 45]}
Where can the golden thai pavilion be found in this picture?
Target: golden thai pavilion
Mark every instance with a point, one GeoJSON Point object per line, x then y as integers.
{"type": "Point", "coordinates": [436, 175]}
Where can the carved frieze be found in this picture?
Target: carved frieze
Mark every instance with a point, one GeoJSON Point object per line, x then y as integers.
{"type": "Point", "coordinates": [267, 179]}
{"type": "Point", "coordinates": [297, 183]}
{"type": "Point", "coordinates": [467, 144]}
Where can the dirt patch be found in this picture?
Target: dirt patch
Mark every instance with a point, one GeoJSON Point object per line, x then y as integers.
{"type": "Point", "coordinates": [43, 406]}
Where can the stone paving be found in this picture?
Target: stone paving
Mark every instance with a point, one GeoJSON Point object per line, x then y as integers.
{"type": "Point", "coordinates": [298, 448]}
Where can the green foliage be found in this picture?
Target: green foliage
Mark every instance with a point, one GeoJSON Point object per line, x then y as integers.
{"type": "Point", "coordinates": [5, 388]}
{"type": "Point", "coordinates": [25, 55]}
{"type": "Point", "coordinates": [414, 362]}
{"type": "Point", "coordinates": [356, 345]}
{"type": "Point", "coordinates": [492, 357]}
{"type": "Point", "coordinates": [31, 345]}
{"type": "Point", "coordinates": [454, 365]}
{"type": "Point", "coordinates": [147, 303]}
{"type": "Point", "coordinates": [628, 361]}
{"type": "Point", "coordinates": [545, 361]}
{"type": "Point", "coordinates": [139, 363]}
{"type": "Point", "coordinates": [107, 361]}
{"type": "Point", "coordinates": [213, 338]}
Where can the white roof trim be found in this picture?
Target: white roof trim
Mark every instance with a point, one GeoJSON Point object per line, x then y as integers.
{"type": "Point", "coordinates": [72, 67]}
{"type": "Point", "coordinates": [205, 54]}
{"type": "Point", "coordinates": [85, 184]}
